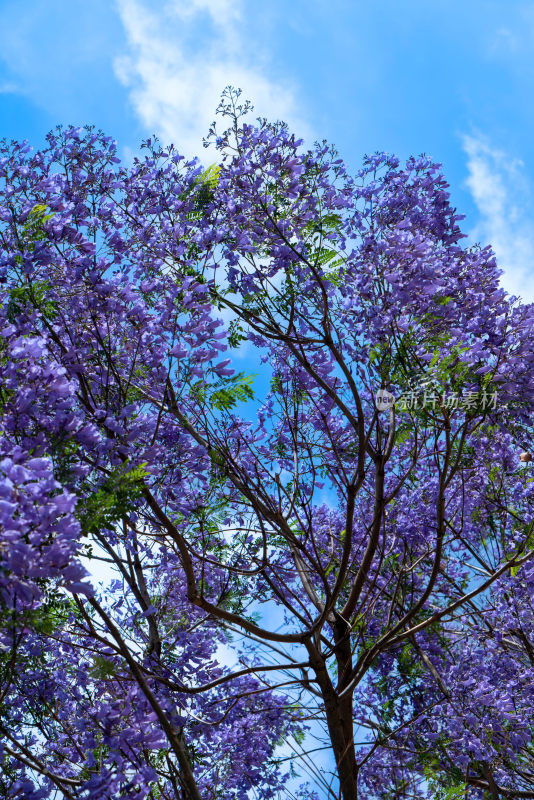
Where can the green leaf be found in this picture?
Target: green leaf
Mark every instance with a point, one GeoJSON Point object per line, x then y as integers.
{"type": "Point", "coordinates": [113, 500]}
{"type": "Point", "coordinates": [211, 176]}
{"type": "Point", "coordinates": [102, 668]}
{"type": "Point", "coordinates": [34, 295]}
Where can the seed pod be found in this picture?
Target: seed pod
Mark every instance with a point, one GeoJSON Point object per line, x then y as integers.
{"type": "Point", "coordinates": [525, 456]}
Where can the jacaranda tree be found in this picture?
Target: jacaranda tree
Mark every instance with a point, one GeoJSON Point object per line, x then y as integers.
{"type": "Point", "coordinates": [285, 406]}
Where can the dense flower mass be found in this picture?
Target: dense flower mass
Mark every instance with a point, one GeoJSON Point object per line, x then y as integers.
{"type": "Point", "coordinates": [290, 562]}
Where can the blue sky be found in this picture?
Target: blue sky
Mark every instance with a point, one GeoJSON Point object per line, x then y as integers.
{"type": "Point", "coordinates": [452, 79]}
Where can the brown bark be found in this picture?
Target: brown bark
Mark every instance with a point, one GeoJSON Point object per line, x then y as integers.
{"type": "Point", "coordinates": [338, 711]}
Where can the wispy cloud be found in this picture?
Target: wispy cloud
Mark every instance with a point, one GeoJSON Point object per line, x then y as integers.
{"type": "Point", "coordinates": [505, 203]}
{"type": "Point", "coordinates": [9, 87]}
{"type": "Point", "coordinates": [180, 57]}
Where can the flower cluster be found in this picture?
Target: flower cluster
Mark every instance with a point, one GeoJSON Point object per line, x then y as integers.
{"type": "Point", "coordinates": [366, 572]}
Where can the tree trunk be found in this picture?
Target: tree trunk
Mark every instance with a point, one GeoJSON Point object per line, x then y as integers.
{"type": "Point", "coordinates": [339, 720]}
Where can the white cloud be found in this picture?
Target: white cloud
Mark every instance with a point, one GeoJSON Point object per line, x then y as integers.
{"type": "Point", "coordinates": [181, 56]}
{"type": "Point", "coordinates": [504, 42]}
{"type": "Point", "coordinates": [505, 203]}
{"type": "Point", "coordinates": [7, 87]}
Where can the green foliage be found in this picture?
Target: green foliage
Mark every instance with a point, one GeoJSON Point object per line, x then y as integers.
{"type": "Point", "coordinates": [225, 393]}
{"type": "Point", "coordinates": [113, 500]}
{"type": "Point", "coordinates": [236, 389]}
{"type": "Point", "coordinates": [320, 255]}
{"type": "Point", "coordinates": [33, 230]}
{"type": "Point", "coordinates": [445, 786]}
{"type": "Point", "coordinates": [236, 333]}
{"type": "Point", "coordinates": [103, 669]}
{"type": "Point", "coordinates": [403, 433]}
{"type": "Point", "coordinates": [328, 222]}
{"type": "Point", "coordinates": [325, 257]}
{"type": "Point", "coordinates": [395, 362]}
{"type": "Point", "coordinates": [63, 451]}
{"type": "Point", "coordinates": [33, 295]}
{"type": "Point", "coordinates": [528, 544]}
{"type": "Point", "coordinates": [46, 618]}
{"type": "Point", "coordinates": [206, 184]}
{"type": "Point", "coordinates": [211, 176]}
{"type": "Point", "coordinates": [447, 367]}
{"type": "Point", "coordinates": [409, 664]}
